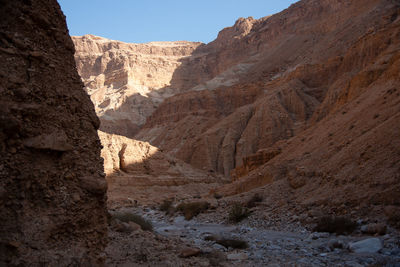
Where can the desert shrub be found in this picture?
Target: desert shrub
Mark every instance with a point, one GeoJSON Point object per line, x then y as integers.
{"type": "Point", "coordinates": [238, 212]}
{"type": "Point", "coordinates": [256, 198]}
{"type": "Point", "coordinates": [166, 205]}
{"type": "Point", "coordinates": [192, 209]}
{"type": "Point", "coordinates": [130, 217]}
{"type": "Point", "coordinates": [217, 196]}
{"type": "Point", "coordinates": [232, 243]}
{"type": "Point", "coordinates": [338, 225]}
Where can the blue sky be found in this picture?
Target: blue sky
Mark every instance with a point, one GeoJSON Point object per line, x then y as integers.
{"type": "Point", "coordinates": [140, 21]}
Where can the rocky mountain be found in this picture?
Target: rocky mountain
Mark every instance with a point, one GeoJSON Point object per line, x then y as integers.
{"type": "Point", "coordinates": [303, 103]}
{"type": "Point", "coordinates": [52, 187]}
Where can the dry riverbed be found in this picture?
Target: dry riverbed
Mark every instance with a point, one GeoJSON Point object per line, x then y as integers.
{"type": "Point", "coordinates": [179, 242]}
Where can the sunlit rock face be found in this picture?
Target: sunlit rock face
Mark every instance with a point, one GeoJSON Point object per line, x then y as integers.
{"type": "Point", "coordinates": [127, 82]}
{"type": "Point", "coordinates": [300, 82]}
{"type": "Point", "coordinates": [52, 186]}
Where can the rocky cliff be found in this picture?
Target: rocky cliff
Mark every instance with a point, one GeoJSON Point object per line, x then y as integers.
{"type": "Point", "coordinates": [305, 98]}
{"type": "Point", "coordinates": [52, 188]}
{"type": "Point", "coordinates": [293, 66]}
{"type": "Point", "coordinates": [127, 82]}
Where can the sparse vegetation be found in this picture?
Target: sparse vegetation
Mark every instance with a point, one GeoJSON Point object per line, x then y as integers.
{"type": "Point", "coordinates": [192, 209]}
{"type": "Point", "coordinates": [256, 198]}
{"type": "Point", "coordinates": [167, 207]}
{"type": "Point", "coordinates": [217, 196]}
{"type": "Point", "coordinates": [338, 225]}
{"type": "Point", "coordinates": [233, 243]}
{"type": "Point", "coordinates": [238, 212]}
{"type": "Point", "coordinates": [130, 217]}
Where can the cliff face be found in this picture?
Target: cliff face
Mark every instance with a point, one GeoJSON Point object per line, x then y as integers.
{"type": "Point", "coordinates": [128, 81]}
{"type": "Point", "coordinates": [52, 188]}
{"type": "Point", "coordinates": [272, 81]}
{"type": "Point", "coordinates": [288, 98]}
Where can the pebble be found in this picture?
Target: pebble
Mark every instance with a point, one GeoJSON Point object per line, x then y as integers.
{"type": "Point", "coordinates": [219, 247]}
{"type": "Point", "coordinates": [369, 245]}
{"type": "Point", "coordinates": [237, 256]}
{"type": "Point", "coordinates": [317, 235]}
{"type": "Point", "coordinates": [189, 252]}
{"type": "Point", "coordinates": [336, 244]}
{"type": "Point", "coordinates": [374, 228]}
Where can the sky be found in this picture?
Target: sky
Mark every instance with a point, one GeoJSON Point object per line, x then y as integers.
{"type": "Point", "coordinates": [141, 21]}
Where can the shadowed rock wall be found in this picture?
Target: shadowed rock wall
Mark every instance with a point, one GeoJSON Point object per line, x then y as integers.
{"type": "Point", "coordinates": [52, 188]}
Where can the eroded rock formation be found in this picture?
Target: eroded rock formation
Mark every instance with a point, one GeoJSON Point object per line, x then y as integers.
{"type": "Point", "coordinates": [52, 188]}
{"type": "Point", "coordinates": [295, 68]}
{"type": "Point", "coordinates": [317, 82]}
{"type": "Point", "coordinates": [128, 81]}
{"type": "Point", "coordinates": [138, 172]}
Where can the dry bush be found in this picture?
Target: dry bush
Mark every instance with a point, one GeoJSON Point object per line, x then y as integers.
{"type": "Point", "coordinates": [238, 212]}
{"type": "Point", "coordinates": [192, 209]}
{"type": "Point", "coordinates": [217, 196]}
{"type": "Point", "coordinates": [167, 207]}
{"type": "Point", "coordinates": [338, 225]}
{"type": "Point", "coordinates": [232, 243]}
{"type": "Point", "coordinates": [252, 202]}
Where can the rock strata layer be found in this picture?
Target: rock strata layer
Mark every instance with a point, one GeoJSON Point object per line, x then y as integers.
{"type": "Point", "coordinates": [127, 82]}
{"type": "Point", "coordinates": [52, 188]}
{"type": "Point", "coordinates": [316, 82]}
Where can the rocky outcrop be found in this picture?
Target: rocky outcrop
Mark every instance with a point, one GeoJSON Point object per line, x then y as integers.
{"type": "Point", "coordinates": [138, 171]}
{"type": "Point", "coordinates": [127, 82]}
{"type": "Point", "coordinates": [254, 161]}
{"type": "Point", "coordinates": [52, 188]}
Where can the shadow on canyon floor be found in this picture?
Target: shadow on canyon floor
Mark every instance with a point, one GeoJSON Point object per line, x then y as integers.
{"type": "Point", "coordinates": [156, 178]}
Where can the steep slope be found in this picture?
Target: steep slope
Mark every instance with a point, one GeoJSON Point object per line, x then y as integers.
{"type": "Point", "coordinates": [296, 62]}
{"type": "Point", "coordinates": [350, 155]}
{"type": "Point", "coordinates": [52, 188]}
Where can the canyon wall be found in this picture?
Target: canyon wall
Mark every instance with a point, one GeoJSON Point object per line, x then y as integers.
{"type": "Point", "coordinates": [52, 187]}
{"type": "Point", "coordinates": [293, 66]}
{"type": "Point", "coordinates": [305, 99]}
{"type": "Point", "coordinates": [127, 82]}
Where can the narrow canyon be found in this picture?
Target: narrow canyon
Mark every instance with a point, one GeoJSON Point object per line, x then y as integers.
{"type": "Point", "coordinates": [276, 144]}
